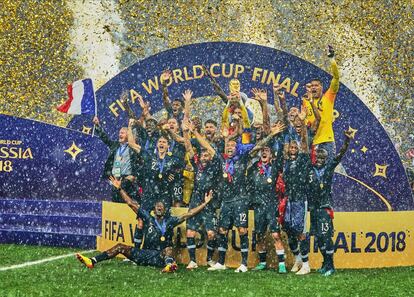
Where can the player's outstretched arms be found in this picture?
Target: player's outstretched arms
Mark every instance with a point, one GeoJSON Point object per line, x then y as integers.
{"type": "Point", "coordinates": [344, 148]}
{"type": "Point", "coordinates": [130, 202]}
{"type": "Point", "coordinates": [192, 212]}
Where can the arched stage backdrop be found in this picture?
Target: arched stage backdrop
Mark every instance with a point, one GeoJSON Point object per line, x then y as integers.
{"type": "Point", "coordinates": [371, 193]}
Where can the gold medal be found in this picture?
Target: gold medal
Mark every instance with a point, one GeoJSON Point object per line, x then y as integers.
{"type": "Point", "coordinates": [162, 238]}
{"type": "Point", "coordinates": [169, 154]}
{"type": "Point", "coordinates": [269, 180]}
{"type": "Point", "coordinates": [160, 175]}
{"type": "Point", "coordinates": [321, 185]}
{"type": "Point", "coordinates": [225, 175]}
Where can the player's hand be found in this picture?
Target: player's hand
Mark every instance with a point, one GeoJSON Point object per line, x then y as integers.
{"type": "Point", "coordinates": [131, 122]}
{"type": "Point", "coordinates": [171, 177]}
{"type": "Point", "coordinates": [208, 196]}
{"type": "Point", "coordinates": [116, 183]}
{"type": "Point", "coordinates": [187, 95]}
{"type": "Point", "coordinates": [259, 95]}
{"type": "Point", "coordinates": [95, 121]}
{"type": "Point", "coordinates": [277, 89]}
{"type": "Point", "coordinates": [131, 178]}
{"type": "Point", "coordinates": [303, 113]}
{"type": "Point", "coordinates": [165, 127]}
{"type": "Point", "coordinates": [165, 76]}
{"type": "Point", "coordinates": [330, 52]}
{"type": "Point", "coordinates": [235, 117]}
{"type": "Point", "coordinates": [277, 128]}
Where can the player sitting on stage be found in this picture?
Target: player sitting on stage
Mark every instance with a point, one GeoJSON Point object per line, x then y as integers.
{"type": "Point", "coordinates": [320, 204]}
{"type": "Point", "coordinates": [157, 238]}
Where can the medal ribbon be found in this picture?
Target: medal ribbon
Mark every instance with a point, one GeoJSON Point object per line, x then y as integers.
{"type": "Point", "coordinates": [162, 228]}
{"type": "Point", "coordinates": [265, 169]}
{"type": "Point", "coordinates": [319, 174]}
{"type": "Point", "coordinates": [161, 164]}
{"type": "Point", "coordinates": [121, 150]}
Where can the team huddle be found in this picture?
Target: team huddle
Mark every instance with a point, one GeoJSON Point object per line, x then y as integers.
{"type": "Point", "coordinates": [280, 169]}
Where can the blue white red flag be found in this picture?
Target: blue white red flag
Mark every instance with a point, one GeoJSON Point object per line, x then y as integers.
{"type": "Point", "coordinates": [81, 98]}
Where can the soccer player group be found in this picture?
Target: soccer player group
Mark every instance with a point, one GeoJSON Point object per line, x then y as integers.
{"type": "Point", "coordinates": [282, 170]}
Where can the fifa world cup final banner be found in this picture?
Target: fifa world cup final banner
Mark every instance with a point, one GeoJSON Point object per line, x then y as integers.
{"type": "Point", "coordinates": [361, 240]}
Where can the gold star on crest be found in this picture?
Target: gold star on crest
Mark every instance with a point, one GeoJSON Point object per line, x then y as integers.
{"type": "Point", "coordinates": [73, 150]}
{"type": "Point", "coordinates": [380, 170]}
{"type": "Point", "coordinates": [352, 131]}
{"type": "Point", "coordinates": [86, 130]}
{"type": "Point", "coordinates": [364, 149]}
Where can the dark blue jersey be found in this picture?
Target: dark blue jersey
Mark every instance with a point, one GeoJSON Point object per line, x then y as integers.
{"type": "Point", "coordinates": [320, 183]}
{"type": "Point", "coordinates": [295, 176]}
{"type": "Point", "coordinates": [157, 234]}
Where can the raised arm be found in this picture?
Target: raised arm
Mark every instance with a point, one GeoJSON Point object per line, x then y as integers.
{"type": "Point", "coordinates": [165, 76]}
{"type": "Point", "coordinates": [276, 129]}
{"type": "Point", "coordinates": [201, 140]}
{"type": "Point", "coordinates": [261, 96]}
{"type": "Point", "coordinates": [315, 110]}
{"type": "Point", "coordinates": [192, 212]}
{"type": "Point", "coordinates": [131, 138]}
{"type": "Point", "coordinates": [128, 200]}
{"type": "Point", "coordinates": [304, 138]}
{"type": "Point", "coordinates": [334, 87]}
{"type": "Point", "coordinates": [101, 133]}
{"type": "Point", "coordinates": [344, 148]}
{"type": "Point", "coordinates": [124, 101]}
{"type": "Point", "coordinates": [187, 143]}
{"type": "Point", "coordinates": [282, 99]}
{"type": "Point", "coordinates": [219, 91]}
{"type": "Point", "coordinates": [187, 95]}
{"type": "Point", "coordinates": [276, 102]}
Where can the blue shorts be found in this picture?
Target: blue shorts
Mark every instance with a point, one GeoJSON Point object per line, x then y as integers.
{"type": "Point", "coordinates": [147, 257]}
{"type": "Point", "coordinates": [295, 217]}
{"type": "Point", "coordinates": [265, 216]}
{"type": "Point", "coordinates": [321, 223]}
{"type": "Point", "coordinates": [234, 213]}
{"type": "Point", "coordinates": [206, 219]}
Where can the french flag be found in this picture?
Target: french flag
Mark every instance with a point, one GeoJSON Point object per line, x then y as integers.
{"type": "Point", "coordinates": [81, 98]}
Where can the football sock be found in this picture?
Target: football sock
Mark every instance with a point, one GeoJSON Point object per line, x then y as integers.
{"type": "Point", "coordinates": [222, 247]}
{"type": "Point", "coordinates": [244, 247]}
{"type": "Point", "coordinates": [191, 246]}
{"type": "Point", "coordinates": [101, 257]}
{"type": "Point", "coordinates": [280, 256]}
{"type": "Point", "coordinates": [211, 245]}
{"type": "Point", "coordinates": [262, 257]}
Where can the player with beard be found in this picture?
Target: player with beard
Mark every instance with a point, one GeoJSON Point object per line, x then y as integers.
{"type": "Point", "coordinates": [262, 176]}
{"type": "Point", "coordinates": [207, 169]}
{"type": "Point", "coordinates": [295, 175]}
{"type": "Point", "coordinates": [234, 208]}
{"type": "Point", "coordinates": [157, 250]}
{"type": "Point", "coordinates": [321, 206]}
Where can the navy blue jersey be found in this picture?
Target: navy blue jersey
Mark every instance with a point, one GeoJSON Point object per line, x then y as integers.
{"type": "Point", "coordinates": [153, 178]}
{"type": "Point", "coordinates": [320, 183]}
{"type": "Point", "coordinates": [295, 176]}
{"type": "Point", "coordinates": [262, 180]}
{"type": "Point", "coordinates": [232, 185]}
{"type": "Point", "coordinates": [205, 179]}
{"type": "Point", "coordinates": [155, 231]}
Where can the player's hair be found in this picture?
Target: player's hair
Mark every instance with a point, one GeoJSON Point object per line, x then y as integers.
{"type": "Point", "coordinates": [210, 121]}
{"type": "Point", "coordinates": [318, 80]}
{"type": "Point", "coordinates": [322, 151]}
{"type": "Point", "coordinates": [165, 136]}
{"type": "Point", "coordinates": [179, 100]}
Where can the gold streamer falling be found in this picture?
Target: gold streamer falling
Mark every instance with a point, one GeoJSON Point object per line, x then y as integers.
{"type": "Point", "coordinates": [372, 37]}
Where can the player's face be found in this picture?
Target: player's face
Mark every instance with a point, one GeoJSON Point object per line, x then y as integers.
{"type": "Point", "coordinates": [308, 88]}
{"type": "Point", "coordinates": [266, 155]}
{"type": "Point", "coordinates": [151, 126]}
{"type": "Point", "coordinates": [316, 89]}
{"type": "Point", "coordinates": [209, 130]}
{"type": "Point", "coordinates": [259, 132]}
{"type": "Point", "coordinates": [297, 123]}
{"type": "Point", "coordinates": [230, 148]}
{"type": "Point", "coordinates": [197, 123]}
{"type": "Point", "coordinates": [176, 107]}
{"type": "Point", "coordinates": [293, 113]}
{"type": "Point", "coordinates": [238, 111]}
{"type": "Point", "coordinates": [159, 209]}
{"type": "Point", "coordinates": [321, 157]}
{"type": "Point", "coordinates": [162, 145]}
{"type": "Point", "coordinates": [173, 124]}
{"type": "Point", "coordinates": [205, 158]}
{"type": "Point", "coordinates": [123, 135]}
{"type": "Point", "coordinates": [293, 150]}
